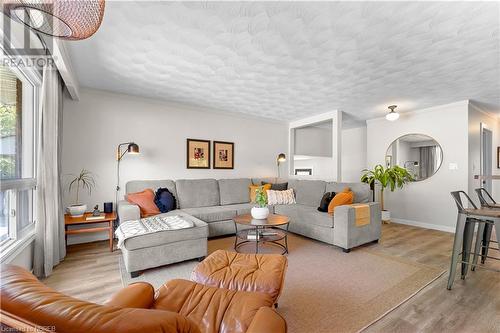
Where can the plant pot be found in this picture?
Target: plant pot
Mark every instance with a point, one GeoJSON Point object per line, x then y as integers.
{"type": "Point", "coordinates": [386, 215]}
{"type": "Point", "coordinates": [260, 213]}
{"type": "Point", "coordinates": [76, 210]}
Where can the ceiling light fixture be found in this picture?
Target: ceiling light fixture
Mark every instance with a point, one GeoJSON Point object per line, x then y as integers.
{"type": "Point", "coordinates": [66, 19]}
{"type": "Point", "coordinates": [393, 115]}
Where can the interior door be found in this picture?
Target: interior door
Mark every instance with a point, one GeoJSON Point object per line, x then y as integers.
{"type": "Point", "coordinates": [486, 157]}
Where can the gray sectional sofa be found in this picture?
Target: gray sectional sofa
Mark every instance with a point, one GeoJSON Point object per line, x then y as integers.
{"type": "Point", "coordinates": [216, 202]}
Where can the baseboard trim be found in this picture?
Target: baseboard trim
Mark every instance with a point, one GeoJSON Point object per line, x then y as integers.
{"type": "Point", "coordinates": [424, 225]}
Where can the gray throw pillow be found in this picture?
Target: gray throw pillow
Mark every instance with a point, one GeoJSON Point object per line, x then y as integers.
{"type": "Point", "coordinates": [278, 187]}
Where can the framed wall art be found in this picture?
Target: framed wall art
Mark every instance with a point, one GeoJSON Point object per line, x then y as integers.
{"type": "Point", "coordinates": [198, 154]}
{"type": "Point", "coordinates": [223, 155]}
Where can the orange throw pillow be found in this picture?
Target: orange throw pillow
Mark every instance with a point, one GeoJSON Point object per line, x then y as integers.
{"type": "Point", "coordinates": [253, 188]}
{"type": "Point", "coordinates": [146, 202]}
{"type": "Point", "coordinates": [346, 197]}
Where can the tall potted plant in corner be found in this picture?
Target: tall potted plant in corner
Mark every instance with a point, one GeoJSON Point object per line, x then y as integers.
{"type": "Point", "coordinates": [85, 180]}
{"type": "Point", "coordinates": [261, 211]}
{"type": "Point", "coordinates": [391, 177]}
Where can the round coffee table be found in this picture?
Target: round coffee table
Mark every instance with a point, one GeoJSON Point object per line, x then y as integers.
{"type": "Point", "coordinates": [261, 231]}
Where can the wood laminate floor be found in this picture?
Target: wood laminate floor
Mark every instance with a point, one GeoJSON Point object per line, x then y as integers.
{"type": "Point", "coordinates": [91, 272]}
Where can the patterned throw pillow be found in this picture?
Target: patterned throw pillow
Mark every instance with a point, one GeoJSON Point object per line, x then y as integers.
{"type": "Point", "coordinates": [280, 197]}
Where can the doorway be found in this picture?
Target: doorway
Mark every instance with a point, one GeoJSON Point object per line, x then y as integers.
{"type": "Point", "coordinates": [486, 157]}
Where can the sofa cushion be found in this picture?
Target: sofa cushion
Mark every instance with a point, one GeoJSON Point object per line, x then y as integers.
{"type": "Point", "coordinates": [140, 185]}
{"type": "Point", "coordinates": [200, 230]}
{"type": "Point", "coordinates": [212, 214]}
{"type": "Point", "coordinates": [362, 192]}
{"type": "Point", "coordinates": [242, 209]}
{"type": "Point", "coordinates": [308, 192]}
{"type": "Point", "coordinates": [234, 191]}
{"type": "Point", "coordinates": [268, 180]}
{"type": "Point", "coordinates": [302, 214]}
{"type": "Point", "coordinates": [197, 193]}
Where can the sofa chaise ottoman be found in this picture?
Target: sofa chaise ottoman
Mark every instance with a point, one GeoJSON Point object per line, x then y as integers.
{"type": "Point", "coordinates": [165, 247]}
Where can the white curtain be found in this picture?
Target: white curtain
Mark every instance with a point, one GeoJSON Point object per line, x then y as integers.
{"type": "Point", "coordinates": [427, 161]}
{"type": "Point", "coordinates": [50, 246]}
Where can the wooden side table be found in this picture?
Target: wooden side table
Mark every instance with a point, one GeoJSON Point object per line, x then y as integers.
{"type": "Point", "coordinates": [109, 218]}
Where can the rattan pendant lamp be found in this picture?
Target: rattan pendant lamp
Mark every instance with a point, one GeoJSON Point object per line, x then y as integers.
{"type": "Point", "coordinates": [66, 19]}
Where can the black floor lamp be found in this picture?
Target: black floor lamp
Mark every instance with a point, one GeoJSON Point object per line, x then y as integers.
{"type": "Point", "coordinates": [132, 148]}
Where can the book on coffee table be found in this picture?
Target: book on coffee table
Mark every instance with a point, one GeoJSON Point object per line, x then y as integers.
{"type": "Point", "coordinates": [268, 233]}
{"type": "Point", "coordinates": [252, 235]}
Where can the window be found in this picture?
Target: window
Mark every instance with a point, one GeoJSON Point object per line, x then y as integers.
{"type": "Point", "coordinates": [17, 153]}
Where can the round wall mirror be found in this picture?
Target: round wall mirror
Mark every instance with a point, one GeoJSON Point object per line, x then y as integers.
{"type": "Point", "coordinates": [420, 154]}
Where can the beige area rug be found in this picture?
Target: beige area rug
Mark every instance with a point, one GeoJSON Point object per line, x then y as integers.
{"type": "Point", "coordinates": [327, 290]}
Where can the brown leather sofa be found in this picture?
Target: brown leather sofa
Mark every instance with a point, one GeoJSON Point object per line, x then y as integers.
{"type": "Point", "coordinates": [178, 306]}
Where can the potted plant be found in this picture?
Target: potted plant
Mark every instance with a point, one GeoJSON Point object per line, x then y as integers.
{"type": "Point", "coordinates": [85, 180]}
{"type": "Point", "coordinates": [392, 177]}
{"type": "Point", "coordinates": [261, 211]}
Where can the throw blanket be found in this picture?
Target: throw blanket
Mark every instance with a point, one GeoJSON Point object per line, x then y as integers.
{"type": "Point", "coordinates": [362, 214]}
{"type": "Point", "coordinates": [150, 225]}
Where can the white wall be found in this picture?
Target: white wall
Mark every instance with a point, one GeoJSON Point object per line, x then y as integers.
{"type": "Point", "coordinates": [353, 153]}
{"type": "Point", "coordinates": [322, 167]}
{"type": "Point", "coordinates": [313, 141]}
{"type": "Point", "coordinates": [96, 124]}
{"type": "Point", "coordinates": [426, 203]}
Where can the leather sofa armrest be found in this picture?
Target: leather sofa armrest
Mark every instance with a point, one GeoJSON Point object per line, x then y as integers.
{"type": "Point", "coordinates": [267, 320]}
{"type": "Point", "coordinates": [135, 295]}
{"type": "Point", "coordinates": [128, 211]}
{"type": "Point", "coordinates": [44, 306]}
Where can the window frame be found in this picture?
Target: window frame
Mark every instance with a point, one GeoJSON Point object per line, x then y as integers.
{"type": "Point", "coordinates": [18, 238]}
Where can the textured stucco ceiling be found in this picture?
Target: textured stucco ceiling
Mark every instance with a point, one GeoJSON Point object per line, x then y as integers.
{"type": "Point", "coordinates": [289, 60]}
